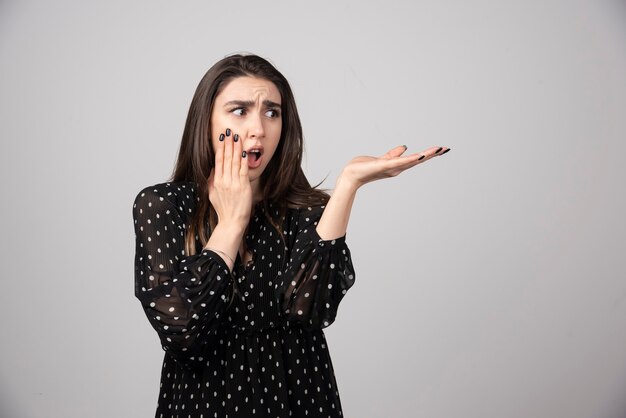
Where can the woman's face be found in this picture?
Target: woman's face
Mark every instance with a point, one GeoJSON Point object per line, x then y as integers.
{"type": "Point", "coordinates": [251, 108]}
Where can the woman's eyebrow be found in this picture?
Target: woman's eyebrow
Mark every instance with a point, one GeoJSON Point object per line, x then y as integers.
{"type": "Point", "coordinates": [250, 103]}
{"type": "Point", "coordinates": [269, 103]}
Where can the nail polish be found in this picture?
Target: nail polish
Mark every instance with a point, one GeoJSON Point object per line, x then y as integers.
{"type": "Point", "coordinates": [438, 149]}
{"type": "Point", "coordinates": [221, 137]}
{"type": "Point", "coordinates": [421, 158]}
{"type": "Point", "coordinates": [227, 132]}
{"type": "Point", "coordinates": [236, 137]}
{"type": "Point", "coordinates": [445, 151]}
{"type": "Point", "coordinates": [243, 154]}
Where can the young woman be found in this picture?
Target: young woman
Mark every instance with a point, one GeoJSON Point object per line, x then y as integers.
{"type": "Point", "coordinates": [239, 261]}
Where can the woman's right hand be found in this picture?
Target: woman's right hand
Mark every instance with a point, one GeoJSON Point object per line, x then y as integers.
{"type": "Point", "coordinates": [229, 187]}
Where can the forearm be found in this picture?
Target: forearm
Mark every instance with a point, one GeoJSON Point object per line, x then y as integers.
{"type": "Point", "coordinates": [334, 221]}
{"type": "Point", "coordinates": [227, 239]}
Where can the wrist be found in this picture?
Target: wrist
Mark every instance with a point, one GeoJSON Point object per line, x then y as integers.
{"type": "Point", "coordinates": [346, 184]}
{"type": "Point", "coordinates": [226, 237]}
{"type": "Point", "coordinates": [232, 228]}
{"type": "Point", "coordinates": [222, 254]}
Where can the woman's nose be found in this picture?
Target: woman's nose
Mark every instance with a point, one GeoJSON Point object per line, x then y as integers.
{"type": "Point", "coordinates": [256, 128]}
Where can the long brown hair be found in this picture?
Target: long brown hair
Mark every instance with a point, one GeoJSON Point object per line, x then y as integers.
{"type": "Point", "coordinates": [283, 182]}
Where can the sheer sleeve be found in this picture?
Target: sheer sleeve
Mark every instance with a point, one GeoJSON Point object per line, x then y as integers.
{"type": "Point", "coordinates": [184, 297]}
{"type": "Point", "coordinates": [317, 275]}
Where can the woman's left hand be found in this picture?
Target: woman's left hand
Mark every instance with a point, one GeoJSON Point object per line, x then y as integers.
{"type": "Point", "coordinates": [362, 170]}
{"type": "Point", "coordinates": [365, 169]}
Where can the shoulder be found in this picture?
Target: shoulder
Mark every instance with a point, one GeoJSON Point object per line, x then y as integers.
{"type": "Point", "coordinates": [180, 196]}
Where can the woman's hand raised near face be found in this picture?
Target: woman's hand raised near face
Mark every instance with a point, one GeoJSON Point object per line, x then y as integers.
{"type": "Point", "coordinates": [365, 169]}
{"type": "Point", "coordinates": [229, 187]}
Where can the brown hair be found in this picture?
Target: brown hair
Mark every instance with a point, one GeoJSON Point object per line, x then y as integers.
{"type": "Point", "coordinates": [283, 182]}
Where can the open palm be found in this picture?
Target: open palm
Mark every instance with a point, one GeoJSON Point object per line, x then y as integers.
{"type": "Point", "coordinates": [365, 169]}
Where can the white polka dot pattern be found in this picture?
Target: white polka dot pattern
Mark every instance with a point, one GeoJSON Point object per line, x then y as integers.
{"type": "Point", "coordinates": [264, 354]}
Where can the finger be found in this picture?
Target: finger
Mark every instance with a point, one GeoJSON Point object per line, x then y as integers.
{"type": "Point", "coordinates": [228, 153]}
{"type": "Point", "coordinates": [405, 161]}
{"type": "Point", "coordinates": [219, 157]}
{"type": "Point", "coordinates": [409, 164]}
{"type": "Point", "coordinates": [429, 153]}
{"type": "Point", "coordinates": [435, 151]}
{"type": "Point", "coordinates": [402, 163]}
{"type": "Point", "coordinates": [420, 157]}
{"type": "Point", "coordinates": [445, 149]}
{"type": "Point", "coordinates": [243, 170]}
{"type": "Point", "coordinates": [395, 152]}
{"type": "Point", "coordinates": [237, 149]}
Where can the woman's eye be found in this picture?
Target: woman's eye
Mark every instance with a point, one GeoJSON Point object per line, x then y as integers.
{"type": "Point", "coordinates": [272, 113]}
{"type": "Point", "coordinates": [240, 111]}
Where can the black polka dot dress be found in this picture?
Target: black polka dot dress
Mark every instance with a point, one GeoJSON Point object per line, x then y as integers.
{"type": "Point", "coordinates": [246, 343]}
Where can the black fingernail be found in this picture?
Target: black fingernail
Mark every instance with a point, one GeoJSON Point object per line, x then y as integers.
{"type": "Point", "coordinates": [221, 137]}
{"type": "Point", "coordinates": [421, 158]}
{"type": "Point", "coordinates": [243, 154]}
{"type": "Point", "coordinates": [445, 151]}
{"type": "Point", "coordinates": [227, 132]}
{"type": "Point", "coordinates": [439, 149]}
{"type": "Point", "coordinates": [236, 137]}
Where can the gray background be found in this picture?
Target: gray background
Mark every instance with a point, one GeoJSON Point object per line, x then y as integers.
{"type": "Point", "coordinates": [490, 282]}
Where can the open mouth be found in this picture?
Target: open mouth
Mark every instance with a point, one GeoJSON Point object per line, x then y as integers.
{"type": "Point", "coordinates": [255, 154]}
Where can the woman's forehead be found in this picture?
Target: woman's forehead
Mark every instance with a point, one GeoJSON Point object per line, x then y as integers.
{"type": "Point", "coordinates": [249, 88]}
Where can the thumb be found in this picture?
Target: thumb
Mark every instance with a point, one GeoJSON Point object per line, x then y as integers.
{"type": "Point", "coordinates": [395, 152]}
